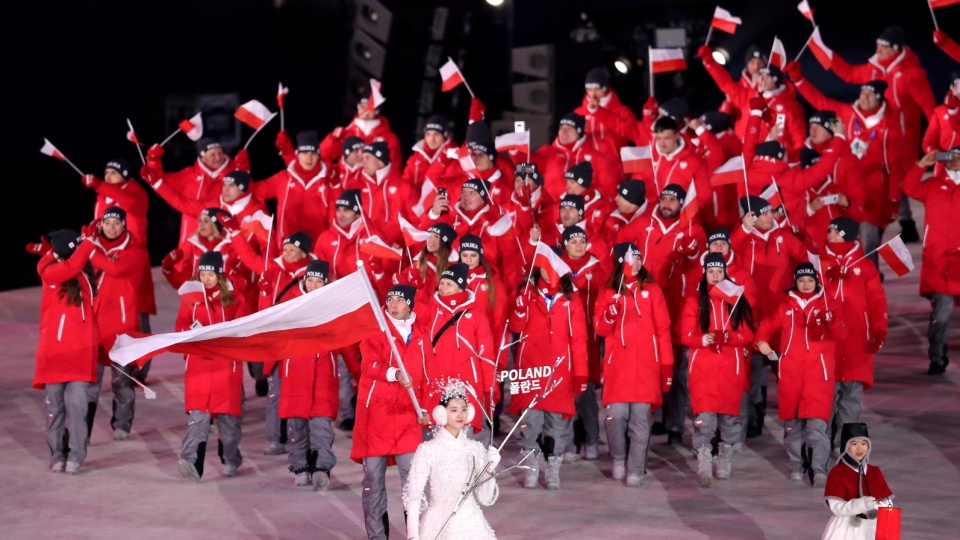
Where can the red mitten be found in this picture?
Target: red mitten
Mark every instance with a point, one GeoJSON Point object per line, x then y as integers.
{"type": "Point", "coordinates": [376, 265]}
{"type": "Point", "coordinates": [666, 378]}
{"type": "Point", "coordinates": [242, 160]}
{"type": "Point", "coordinates": [91, 229]}
{"type": "Point", "coordinates": [893, 209]}
{"type": "Point", "coordinates": [611, 313]}
{"type": "Point", "coordinates": [687, 246]}
{"type": "Point", "coordinates": [794, 71]}
{"type": "Point", "coordinates": [477, 110]}
{"type": "Point", "coordinates": [264, 286]}
{"type": "Point", "coordinates": [39, 248]}
{"type": "Point", "coordinates": [155, 153]}
{"type": "Point", "coordinates": [757, 103]}
{"type": "Point", "coordinates": [520, 306]}
{"type": "Point", "coordinates": [874, 346]}
{"type": "Point", "coordinates": [705, 53]}
{"type": "Point", "coordinates": [651, 109]}
{"type": "Point", "coordinates": [170, 261]}
{"type": "Point", "coordinates": [284, 144]}
{"type": "Point", "coordinates": [90, 181]}
{"type": "Point", "coordinates": [951, 101]}
{"type": "Point", "coordinates": [230, 223]}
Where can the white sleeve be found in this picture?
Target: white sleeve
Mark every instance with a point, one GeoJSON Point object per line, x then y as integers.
{"type": "Point", "coordinates": [842, 508]}
{"type": "Point", "coordinates": [414, 489]}
{"type": "Point", "coordinates": [487, 492]}
{"type": "Point", "coordinates": [392, 374]}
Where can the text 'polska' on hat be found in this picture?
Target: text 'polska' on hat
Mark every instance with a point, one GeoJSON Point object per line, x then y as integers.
{"type": "Point", "coordinates": [892, 37]}
{"type": "Point", "coordinates": [479, 137]}
{"type": "Point", "coordinates": [481, 186]}
{"type": "Point", "coordinates": [211, 261]}
{"type": "Point", "coordinates": [877, 86]}
{"type": "Point", "coordinates": [379, 150]}
{"type": "Point", "coordinates": [438, 123]}
{"type": "Point", "coordinates": [457, 273]}
{"type": "Point", "coordinates": [318, 269]}
{"type": "Point", "coordinates": [597, 77]}
{"type": "Point", "coordinates": [572, 232]}
{"type": "Point", "coordinates": [574, 120]}
{"type": "Point", "coordinates": [445, 231]}
{"type": "Point", "coordinates": [805, 269]}
{"type": "Point", "coordinates": [206, 144]}
{"type": "Point", "coordinates": [847, 227]}
{"type": "Point", "coordinates": [121, 166]}
{"type": "Point", "coordinates": [756, 204]}
{"type": "Point", "coordinates": [720, 234]}
{"type": "Point", "coordinates": [300, 239]}
{"type": "Point", "coordinates": [115, 212]}
{"type": "Point", "coordinates": [573, 201]}
{"type": "Point", "coordinates": [308, 141]}
{"type": "Point", "coordinates": [407, 292]}
{"type": "Point", "coordinates": [471, 242]}
{"type": "Point", "coordinates": [715, 260]}
{"type": "Point", "coordinates": [349, 199]}
{"type": "Point", "coordinates": [351, 144]}
{"type": "Point", "coordinates": [674, 190]}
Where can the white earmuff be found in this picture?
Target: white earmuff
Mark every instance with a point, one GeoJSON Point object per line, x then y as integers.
{"type": "Point", "coordinates": [439, 415]}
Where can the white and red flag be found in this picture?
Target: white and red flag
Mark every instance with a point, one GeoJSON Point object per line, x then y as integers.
{"type": "Point", "coordinates": [629, 258]}
{"type": "Point", "coordinates": [727, 291]}
{"type": "Point", "coordinates": [636, 159]}
{"type": "Point", "coordinates": [281, 92]}
{"type": "Point", "coordinates": [688, 212]}
{"type": "Point", "coordinates": [376, 247]}
{"type": "Point", "coordinates": [411, 234]}
{"type": "Point", "coordinates": [334, 316]}
{"type": "Point", "coordinates": [376, 99]}
{"type": "Point", "coordinates": [804, 8]}
{"type": "Point", "coordinates": [897, 256]}
{"type": "Point", "coordinates": [254, 114]}
{"type": "Point", "coordinates": [466, 162]}
{"type": "Point", "coordinates": [725, 21]}
{"type": "Point", "coordinates": [815, 261]}
{"type": "Point", "coordinates": [823, 53]}
{"type": "Point", "coordinates": [192, 127]}
{"type": "Point", "coordinates": [730, 172]}
{"type": "Point", "coordinates": [425, 191]}
{"type": "Point", "coordinates": [50, 150]}
{"type": "Point", "coordinates": [772, 195]}
{"type": "Point", "coordinates": [778, 55]}
{"type": "Point", "coordinates": [192, 292]}
{"type": "Point", "coordinates": [942, 3]}
{"type": "Point", "coordinates": [450, 75]}
{"type": "Point", "coordinates": [131, 135]}
{"type": "Point", "coordinates": [259, 225]}
{"type": "Point", "coordinates": [551, 263]}
{"type": "Point", "coordinates": [664, 60]}
{"type": "Point", "coordinates": [517, 140]}
{"type": "Point", "coordinates": [501, 226]}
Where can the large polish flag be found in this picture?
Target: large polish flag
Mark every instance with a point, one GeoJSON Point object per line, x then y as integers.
{"type": "Point", "coordinates": [897, 256]}
{"type": "Point", "coordinates": [727, 291]}
{"type": "Point", "coordinates": [664, 60]}
{"type": "Point", "coordinates": [254, 114]}
{"type": "Point", "coordinates": [730, 172]}
{"type": "Point", "coordinates": [331, 317]}
{"type": "Point", "coordinates": [636, 159]}
{"type": "Point", "coordinates": [192, 127]}
{"type": "Point", "coordinates": [50, 150]}
{"type": "Point", "coordinates": [725, 21]}
{"type": "Point", "coordinates": [450, 75]}
{"type": "Point", "coordinates": [551, 263]}
{"type": "Point", "coordinates": [778, 55]}
{"type": "Point", "coordinates": [823, 53]}
{"type": "Point", "coordinates": [804, 8]}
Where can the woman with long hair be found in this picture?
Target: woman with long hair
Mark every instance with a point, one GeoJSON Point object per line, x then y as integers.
{"type": "Point", "coordinates": [436, 255]}
{"type": "Point", "coordinates": [716, 328]}
{"type": "Point", "coordinates": [632, 316]}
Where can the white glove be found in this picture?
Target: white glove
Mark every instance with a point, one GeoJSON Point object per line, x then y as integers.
{"type": "Point", "coordinates": [493, 456]}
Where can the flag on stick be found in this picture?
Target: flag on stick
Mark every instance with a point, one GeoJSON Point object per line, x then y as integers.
{"type": "Point", "coordinates": [778, 55]}
{"type": "Point", "coordinates": [804, 8]}
{"type": "Point", "coordinates": [450, 75]}
{"type": "Point", "coordinates": [551, 263]}
{"type": "Point", "coordinates": [897, 256]}
{"type": "Point", "coordinates": [727, 291]}
{"type": "Point", "coordinates": [636, 159]}
{"type": "Point", "coordinates": [730, 172]}
{"type": "Point", "coordinates": [688, 211]}
{"type": "Point", "coordinates": [466, 162]}
{"type": "Point", "coordinates": [193, 128]}
{"type": "Point", "coordinates": [254, 114]}
{"type": "Point", "coordinates": [50, 150]}
{"type": "Point", "coordinates": [501, 226]}
{"type": "Point", "coordinates": [772, 195]}
{"type": "Point", "coordinates": [132, 137]}
{"type": "Point", "coordinates": [281, 92]}
{"type": "Point", "coordinates": [334, 316]}
{"type": "Point", "coordinates": [665, 60]}
{"type": "Point", "coordinates": [823, 53]}
{"type": "Point", "coordinates": [724, 21]}
{"type": "Point", "coordinates": [376, 99]}
{"type": "Point", "coordinates": [518, 140]}
{"type": "Point", "coordinates": [411, 234]}
{"type": "Point", "coordinates": [259, 225]}
{"type": "Point", "coordinates": [192, 292]}
{"type": "Point", "coordinates": [942, 3]}
{"type": "Point", "coordinates": [376, 247]}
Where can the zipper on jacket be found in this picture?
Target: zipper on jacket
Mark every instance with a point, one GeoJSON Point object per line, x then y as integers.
{"type": "Point", "coordinates": [370, 395]}
{"type": "Point", "coordinates": [63, 320]}
{"type": "Point", "coordinates": [123, 311]}
{"type": "Point", "coordinates": [824, 365]}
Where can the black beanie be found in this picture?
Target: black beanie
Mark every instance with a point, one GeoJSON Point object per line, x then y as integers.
{"type": "Point", "coordinates": [824, 118]}
{"type": "Point", "coordinates": [479, 137]}
{"type": "Point", "coordinates": [457, 273]}
{"type": "Point", "coordinates": [581, 173]}
{"type": "Point", "coordinates": [676, 191]}
{"type": "Point", "coordinates": [573, 201]}
{"type": "Point", "coordinates": [716, 121]}
{"type": "Point", "coordinates": [211, 261]}
{"type": "Point", "coordinates": [351, 143]}
{"type": "Point", "coordinates": [436, 122]}
{"type": "Point", "coordinates": [308, 141]}
{"type": "Point", "coordinates": [597, 78]}
{"type": "Point", "coordinates": [878, 87]}
{"type": "Point", "coordinates": [754, 52]}
{"type": "Point", "coordinates": [773, 72]}
{"type": "Point", "coordinates": [891, 37]}
{"type": "Point", "coordinates": [720, 233]}
{"type": "Point", "coordinates": [216, 215]}
{"type": "Point", "coordinates": [574, 120]}
{"type": "Point", "coordinates": [676, 108]}
{"type": "Point", "coordinates": [771, 149]}
{"type": "Point", "coordinates": [756, 204]}
{"type": "Point", "coordinates": [206, 144]}
{"type": "Point", "coordinates": [633, 191]}
{"type": "Point", "coordinates": [715, 260]}
{"type": "Point", "coordinates": [479, 185]}
{"type": "Point", "coordinates": [317, 268]}
{"type": "Point", "coordinates": [529, 170]}
{"type": "Point", "coordinates": [239, 178]}
{"type": "Point", "coordinates": [350, 199]}
{"type": "Point", "coordinates": [115, 212]}
{"type": "Point", "coordinates": [407, 292]}
{"type": "Point", "coordinates": [808, 157]}
{"type": "Point", "coordinates": [620, 251]}
{"type": "Point", "coordinates": [379, 150]}
{"type": "Point", "coordinates": [300, 239]}
{"type": "Point", "coordinates": [573, 231]}
{"type": "Point", "coordinates": [64, 242]}
{"type": "Point", "coordinates": [121, 166]}
{"type": "Point", "coordinates": [445, 231]}
{"type": "Point", "coordinates": [471, 242]}
{"type": "Point", "coordinates": [805, 269]}
{"type": "Point", "coordinates": [847, 227]}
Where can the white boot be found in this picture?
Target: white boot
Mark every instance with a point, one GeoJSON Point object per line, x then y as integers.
{"type": "Point", "coordinates": [704, 466]}
{"type": "Point", "coordinates": [553, 472]}
{"type": "Point", "coordinates": [619, 469]}
{"type": "Point", "coordinates": [723, 461]}
{"type": "Point", "coordinates": [531, 476]}
{"type": "Point", "coordinates": [592, 452]}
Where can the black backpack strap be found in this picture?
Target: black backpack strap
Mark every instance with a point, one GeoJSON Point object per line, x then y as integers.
{"type": "Point", "coordinates": [284, 290]}
{"type": "Point", "coordinates": [448, 324]}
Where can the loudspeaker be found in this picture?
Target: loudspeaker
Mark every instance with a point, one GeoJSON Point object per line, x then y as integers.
{"type": "Point", "coordinates": [364, 52]}
{"type": "Point", "coordinates": [373, 18]}
{"type": "Point", "coordinates": [534, 96]}
{"type": "Point", "coordinates": [535, 61]}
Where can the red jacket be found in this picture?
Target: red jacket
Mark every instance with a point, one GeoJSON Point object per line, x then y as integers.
{"type": "Point", "coordinates": [456, 351]}
{"type": "Point", "coordinates": [616, 221]}
{"type": "Point", "coordinates": [637, 343]}
{"type": "Point", "coordinates": [807, 359]}
{"type": "Point", "coordinates": [386, 422]}
{"type": "Point", "coordinates": [67, 348]}
{"type": "Point", "coordinates": [943, 132]}
{"type": "Point", "coordinates": [612, 123]}
{"type": "Point", "coordinates": [415, 169]}
{"type": "Point", "coordinates": [736, 272]}
{"type": "Point", "coordinates": [715, 150]}
{"type": "Point", "coordinates": [854, 292]}
{"type": "Point", "coordinates": [305, 200]}
{"type": "Point", "coordinates": [341, 249]}
{"type": "Point", "coordinates": [369, 131]}
{"type": "Point", "coordinates": [589, 277]}
{"type": "Point", "coordinates": [497, 315]}
{"type": "Point", "coordinates": [310, 387]}
{"type": "Point", "coordinates": [845, 178]}
{"type": "Point", "coordinates": [383, 199]}
{"type": "Point", "coordinates": [117, 287]}
{"type": "Point", "coordinates": [717, 375]}
{"type": "Point", "coordinates": [551, 333]}
{"type": "Point", "coordinates": [212, 385]}
{"type": "Point", "coordinates": [683, 167]}
{"type": "Point", "coordinates": [185, 268]}
{"type": "Point", "coordinates": [553, 161]}
{"type": "Point", "coordinates": [940, 271]}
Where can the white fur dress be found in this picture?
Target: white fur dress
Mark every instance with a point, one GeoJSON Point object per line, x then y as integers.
{"type": "Point", "coordinates": [445, 464]}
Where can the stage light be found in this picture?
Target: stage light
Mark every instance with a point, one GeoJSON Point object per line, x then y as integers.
{"type": "Point", "coordinates": [721, 56]}
{"type": "Point", "coordinates": [622, 65]}
{"type": "Point", "coordinates": [495, 3]}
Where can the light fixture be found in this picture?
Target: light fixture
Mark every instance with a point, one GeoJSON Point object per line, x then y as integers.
{"type": "Point", "coordinates": [495, 3]}
{"type": "Point", "coordinates": [721, 56]}
{"type": "Point", "coordinates": [622, 65]}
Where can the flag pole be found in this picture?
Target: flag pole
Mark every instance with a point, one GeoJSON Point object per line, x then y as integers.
{"type": "Point", "coordinates": [165, 141]}
{"type": "Point", "coordinates": [375, 306]}
{"type": "Point", "coordinates": [72, 165]}
{"type": "Point", "coordinates": [935, 25]}
{"type": "Point", "coordinates": [258, 131]}
{"type": "Point", "coordinates": [805, 44]}
{"type": "Point", "coordinates": [266, 249]}
{"type": "Point", "coordinates": [147, 393]}
{"type": "Point", "coordinates": [139, 151]}
{"type": "Point", "coordinates": [709, 33]}
{"type": "Point", "coordinates": [649, 50]}
{"type": "Point", "coordinates": [360, 213]}
{"type": "Point", "coordinates": [464, 79]}
{"type": "Point", "coordinates": [730, 315]}
{"type": "Point", "coordinates": [746, 185]}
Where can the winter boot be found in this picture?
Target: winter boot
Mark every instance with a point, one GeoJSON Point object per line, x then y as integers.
{"type": "Point", "coordinates": [552, 475]}
{"type": "Point", "coordinates": [619, 469]}
{"type": "Point", "coordinates": [592, 452]}
{"type": "Point", "coordinates": [531, 476]}
{"type": "Point", "coordinates": [302, 479]}
{"type": "Point", "coordinates": [723, 461]}
{"type": "Point", "coordinates": [635, 479]}
{"type": "Point", "coordinates": [704, 466]}
{"type": "Point", "coordinates": [321, 481]}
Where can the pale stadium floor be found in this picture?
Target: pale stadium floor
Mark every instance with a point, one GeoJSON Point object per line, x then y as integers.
{"type": "Point", "coordinates": [133, 487]}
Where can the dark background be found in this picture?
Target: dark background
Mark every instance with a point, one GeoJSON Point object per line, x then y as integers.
{"type": "Point", "coordinates": [76, 70]}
